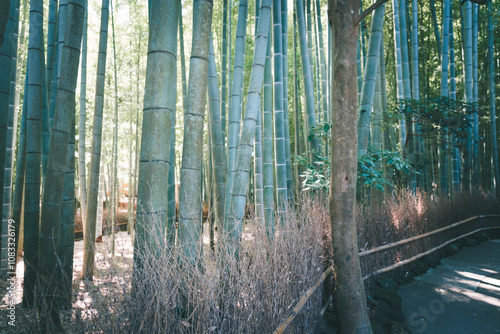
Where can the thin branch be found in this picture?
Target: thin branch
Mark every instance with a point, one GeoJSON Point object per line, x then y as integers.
{"type": "Point", "coordinates": [370, 9]}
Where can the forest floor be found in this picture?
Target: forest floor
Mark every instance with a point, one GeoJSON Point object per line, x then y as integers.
{"type": "Point", "coordinates": [462, 295]}
{"type": "Point", "coordinates": [112, 276]}
{"type": "Point", "coordinates": [82, 290]}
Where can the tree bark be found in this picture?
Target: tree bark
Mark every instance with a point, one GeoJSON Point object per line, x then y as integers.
{"type": "Point", "coordinates": [349, 296]}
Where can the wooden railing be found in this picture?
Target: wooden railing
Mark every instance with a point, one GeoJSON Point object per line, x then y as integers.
{"type": "Point", "coordinates": [492, 220]}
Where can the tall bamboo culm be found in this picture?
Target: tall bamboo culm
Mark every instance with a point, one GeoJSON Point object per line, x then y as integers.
{"type": "Point", "coordinates": [95, 160]}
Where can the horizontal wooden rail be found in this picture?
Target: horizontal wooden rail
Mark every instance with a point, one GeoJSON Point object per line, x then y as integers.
{"type": "Point", "coordinates": [418, 256]}
{"type": "Point", "coordinates": [420, 236]}
{"type": "Point", "coordinates": [282, 327]}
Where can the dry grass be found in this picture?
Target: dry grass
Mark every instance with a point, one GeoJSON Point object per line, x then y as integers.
{"type": "Point", "coordinates": [252, 294]}
{"type": "Point", "coordinates": [221, 294]}
{"type": "Point", "coordinates": [411, 214]}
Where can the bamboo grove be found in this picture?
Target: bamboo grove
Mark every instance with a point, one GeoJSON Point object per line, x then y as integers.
{"type": "Point", "coordinates": [225, 106]}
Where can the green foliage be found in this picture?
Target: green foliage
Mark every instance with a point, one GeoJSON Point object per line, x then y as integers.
{"type": "Point", "coordinates": [317, 168]}
{"type": "Point", "coordinates": [371, 177]}
{"type": "Point", "coordinates": [321, 131]}
{"type": "Point", "coordinates": [442, 115]}
{"type": "Point", "coordinates": [316, 175]}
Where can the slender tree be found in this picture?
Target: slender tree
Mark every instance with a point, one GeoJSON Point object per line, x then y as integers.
{"type": "Point", "coordinates": [415, 94]}
{"type": "Point", "coordinates": [241, 184]}
{"type": "Point", "coordinates": [258, 173]}
{"type": "Point", "coordinates": [56, 167]}
{"type": "Point", "coordinates": [65, 248]}
{"type": "Point", "coordinates": [467, 24]}
{"type": "Point", "coordinates": [455, 158]}
{"type": "Point", "coordinates": [476, 164]}
{"type": "Point", "coordinates": [33, 151]}
{"type": "Point", "coordinates": [7, 24]}
{"type": "Point", "coordinates": [234, 116]}
{"type": "Point", "coordinates": [18, 198]}
{"type": "Point", "coordinates": [296, 98]}
{"type": "Point", "coordinates": [216, 135]}
{"type": "Point", "coordinates": [324, 97]}
{"type": "Point", "coordinates": [349, 295]}
{"type": "Point", "coordinates": [279, 121]}
{"type": "Point", "coordinates": [370, 78]}
{"type": "Point", "coordinates": [115, 188]}
{"type": "Point", "coordinates": [183, 61]}
{"type": "Point", "coordinates": [404, 49]}
{"type": "Point", "coordinates": [443, 164]}
{"type": "Point", "coordinates": [45, 127]}
{"type": "Point", "coordinates": [131, 194]}
{"type": "Point", "coordinates": [9, 148]}
{"type": "Point", "coordinates": [307, 76]}
{"type": "Point", "coordinates": [82, 180]}
{"type": "Point", "coordinates": [223, 92]}
{"type": "Point", "coordinates": [491, 95]}
{"type": "Point", "coordinates": [286, 118]}
{"type": "Point", "coordinates": [190, 201]}
{"type": "Point", "coordinates": [399, 70]}
{"type": "Point", "coordinates": [435, 25]}
{"type": "Point", "coordinates": [267, 141]}
{"type": "Point", "coordinates": [51, 41]}
{"type": "Point", "coordinates": [95, 160]}
{"type": "Point", "coordinates": [158, 113]}
{"type": "Point", "coordinates": [56, 68]}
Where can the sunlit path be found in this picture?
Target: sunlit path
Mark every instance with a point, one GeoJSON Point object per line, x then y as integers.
{"type": "Point", "coordinates": [460, 296]}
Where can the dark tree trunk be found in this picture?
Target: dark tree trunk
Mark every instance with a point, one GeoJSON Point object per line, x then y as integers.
{"type": "Point", "coordinates": [349, 295]}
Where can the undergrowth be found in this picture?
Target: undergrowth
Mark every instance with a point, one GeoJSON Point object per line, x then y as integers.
{"type": "Point", "coordinates": [221, 293]}
{"type": "Point", "coordinates": [413, 213]}
{"type": "Point", "coordinates": [255, 292]}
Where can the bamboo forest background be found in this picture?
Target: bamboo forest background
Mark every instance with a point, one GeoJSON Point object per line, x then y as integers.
{"type": "Point", "coordinates": [252, 120]}
{"type": "Point", "coordinates": [131, 35]}
{"type": "Point", "coordinates": [131, 45]}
